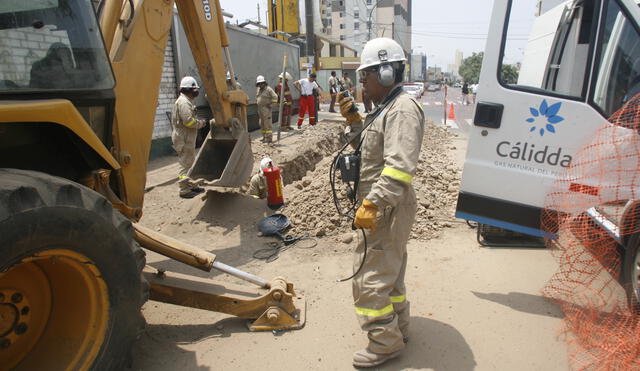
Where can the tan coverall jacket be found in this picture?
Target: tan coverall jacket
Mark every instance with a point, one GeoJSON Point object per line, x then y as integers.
{"type": "Point", "coordinates": [265, 98]}
{"type": "Point", "coordinates": [390, 151]}
{"type": "Point", "coordinates": [185, 130]}
{"type": "Point", "coordinates": [258, 186]}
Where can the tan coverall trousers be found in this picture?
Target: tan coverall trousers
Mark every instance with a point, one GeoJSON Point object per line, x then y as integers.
{"type": "Point", "coordinates": [185, 130]}
{"type": "Point", "coordinates": [390, 153]}
{"type": "Point", "coordinates": [381, 283]}
{"type": "Point", "coordinates": [266, 125]}
{"type": "Point", "coordinates": [185, 147]}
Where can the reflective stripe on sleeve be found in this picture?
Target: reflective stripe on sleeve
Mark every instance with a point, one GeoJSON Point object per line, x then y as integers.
{"type": "Point", "coordinates": [374, 312]}
{"type": "Point", "coordinates": [397, 174]}
{"type": "Point", "coordinates": [190, 123]}
{"type": "Point", "coordinates": [182, 177]}
{"type": "Point", "coordinates": [398, 299]}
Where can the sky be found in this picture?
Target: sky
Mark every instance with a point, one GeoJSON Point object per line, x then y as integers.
{"type": "Point", "coordinates": [439, 26]}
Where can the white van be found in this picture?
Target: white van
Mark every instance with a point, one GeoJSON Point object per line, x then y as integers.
{"type": "Point", "coordinates": [579, 64]}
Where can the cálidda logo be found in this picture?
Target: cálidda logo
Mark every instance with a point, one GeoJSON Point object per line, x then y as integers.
{"type": "Point", "coordinates": [544, 118]}
{"type": "Point", "coordinates": [546, 113]}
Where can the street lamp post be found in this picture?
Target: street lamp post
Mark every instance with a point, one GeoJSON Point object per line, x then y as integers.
{"type": "Point", "coordinates": [369, 19]}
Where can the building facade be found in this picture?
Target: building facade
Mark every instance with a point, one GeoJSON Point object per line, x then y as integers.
{"type": "Point", "coordinates": [354, 22]}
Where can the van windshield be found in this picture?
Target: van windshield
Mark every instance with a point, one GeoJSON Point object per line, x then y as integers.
{"type": "Point", "coordinates": [51, 45]}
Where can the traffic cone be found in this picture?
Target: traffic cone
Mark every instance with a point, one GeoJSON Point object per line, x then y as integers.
{"type": "Point", "coordinates": [452, 115]}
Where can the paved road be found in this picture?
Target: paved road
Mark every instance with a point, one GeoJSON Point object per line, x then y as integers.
{"type": "Point", "coordinates": [434, 109]}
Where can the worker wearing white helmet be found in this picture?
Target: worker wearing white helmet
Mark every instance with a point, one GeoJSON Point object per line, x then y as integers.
{"type": "Point", "coordinates": [285, 119]}
{"type": "Point", "coordinates": [265, 98]}
{"type": "Point", "coordinates": [390, 147]}
{"type": "Point", "coordinates": [258, 183]}
{"type": "Point", "coordinates": [185, 127]}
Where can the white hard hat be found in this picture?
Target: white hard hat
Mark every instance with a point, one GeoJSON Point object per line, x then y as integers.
{"type": "Point", "coordinates": [189, 82]}
{"type": "Point", "coordinates": [380, 50]}
{"type": "Point", "coordinates": [260, 79]}
{"type": "Point", "coordinates": [287, 74]}
{"type": "Point", "coordinates": [265, 162]}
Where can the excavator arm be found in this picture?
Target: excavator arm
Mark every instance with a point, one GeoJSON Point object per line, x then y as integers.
{"type": "Point", "coordinates": [135, 33]}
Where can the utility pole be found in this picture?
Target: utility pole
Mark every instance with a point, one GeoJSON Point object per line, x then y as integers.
{"type": "Point", "coordinates": [311, 41]}
{"type": "Point", "coordinates": [258, 5]}
{"type": "Point", "coordinates": [369, 20]}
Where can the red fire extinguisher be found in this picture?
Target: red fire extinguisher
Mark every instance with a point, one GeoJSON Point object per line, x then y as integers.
{"type": "Point", "coordinates": [275, 198]}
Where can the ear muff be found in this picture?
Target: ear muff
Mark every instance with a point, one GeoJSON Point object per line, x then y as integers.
{"type": "Point", "coordinates": [386, 75]}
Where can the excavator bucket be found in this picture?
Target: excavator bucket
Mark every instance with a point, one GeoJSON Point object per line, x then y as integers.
{"type": "Point", "coordinates": [225, 159]}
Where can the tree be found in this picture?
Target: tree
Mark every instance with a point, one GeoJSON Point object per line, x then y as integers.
{"type": "Point", "coordinates": [470, 68]}
{"type": "Point", "coordinates": [509, 74]}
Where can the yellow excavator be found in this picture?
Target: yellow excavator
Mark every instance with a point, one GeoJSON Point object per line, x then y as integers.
{"type": "Point", "coordinates": [78, 94]}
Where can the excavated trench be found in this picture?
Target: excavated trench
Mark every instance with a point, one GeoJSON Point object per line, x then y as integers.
{"type": "Point", "coordinates": [305, 161]}
{"type": "Point", "coordinates": [300, 152]}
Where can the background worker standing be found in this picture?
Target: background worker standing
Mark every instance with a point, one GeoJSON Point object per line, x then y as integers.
{"type": "Point", "coordinates": [285, 120]}
{"type": "Point", "coordinates": [346, 82]}
{"type": "Point", "coordinates": [390, 147]}
{"type": "Point", "coordinates": [265, 98]}
{"type": "Point", "coordinates": [333, 90]}
{"type": "Point", "coordinates": [185, 127]}
{"type": "Point", "coordinates": [307, 104]}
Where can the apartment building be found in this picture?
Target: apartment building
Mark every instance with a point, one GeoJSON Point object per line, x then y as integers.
{"type": "Point", "coordinates": [354, 22]}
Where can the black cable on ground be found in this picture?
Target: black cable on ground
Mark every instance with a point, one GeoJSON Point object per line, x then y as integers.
{"type": "Point", "coordinates": [271, 254]}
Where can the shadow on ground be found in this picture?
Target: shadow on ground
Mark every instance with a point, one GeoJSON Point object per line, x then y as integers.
{"type": "Point", "coordinates": [527, 303]}
{"type": "Point", "coordinates": [162, 339]}
{"type": "Point", "coordinates": [434, 345]}
{"type": "Point", "coordinates": [227, 211]}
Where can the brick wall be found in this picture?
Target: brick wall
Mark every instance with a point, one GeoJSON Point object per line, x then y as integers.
{"type": "Point", "coordinates": [166, 95]}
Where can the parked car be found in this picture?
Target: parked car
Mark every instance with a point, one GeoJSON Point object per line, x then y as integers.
{"type": "Point", "coordinates": [414, 90]}
{"type": "Point", "coordinates": [457, 85]}
{"type": "Point", "coordinates": [433, 87]}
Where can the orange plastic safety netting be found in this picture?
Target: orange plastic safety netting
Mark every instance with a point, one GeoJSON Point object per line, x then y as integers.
{"type": "Point", "coordinates": [594, 279]}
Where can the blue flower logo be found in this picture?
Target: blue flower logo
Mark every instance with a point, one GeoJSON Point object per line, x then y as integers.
{"type": "Point", "coordinates": [547, 112]}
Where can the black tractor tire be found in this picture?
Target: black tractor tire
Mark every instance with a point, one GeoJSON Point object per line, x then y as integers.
{"type": "Point", "coordinates": [42, 214]}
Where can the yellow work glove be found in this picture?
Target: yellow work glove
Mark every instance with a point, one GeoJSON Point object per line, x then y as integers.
{"type": "Point", "coordinates": [345, 109]}
{"type": "Point", "coordinates": [366, 216]}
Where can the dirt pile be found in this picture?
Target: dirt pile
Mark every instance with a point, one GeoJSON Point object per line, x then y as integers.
{"type": "Point", "coordinates": [309, 202]}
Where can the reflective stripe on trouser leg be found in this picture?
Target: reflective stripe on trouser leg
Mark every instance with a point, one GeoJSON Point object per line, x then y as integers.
{"type": "Point", "coordinates": [381, 282]}
{"type": "Point", "coordinates": [185, 160]}
{"type": "Point", "coordinates": [265, 122]}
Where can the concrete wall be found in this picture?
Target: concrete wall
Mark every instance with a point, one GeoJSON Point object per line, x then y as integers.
{"type": "Point", "coordinates": [252, 54]}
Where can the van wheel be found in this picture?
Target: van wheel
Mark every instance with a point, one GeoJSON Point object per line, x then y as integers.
{"type": "Point", "coordinates": [631, 272]}
{"type": "Point", "coordinates": [70, 276]}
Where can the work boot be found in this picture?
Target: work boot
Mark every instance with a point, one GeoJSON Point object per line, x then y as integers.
{"type": "Point", "coordinates": [197, 190]}
{"type": "Point", "coordinates": [189, 194]}
{"type": "Point", "coordinates": [367, 358]}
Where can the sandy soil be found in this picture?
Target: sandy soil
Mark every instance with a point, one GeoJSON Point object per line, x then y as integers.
{"type": "Point", "coordinates": [472, 307]}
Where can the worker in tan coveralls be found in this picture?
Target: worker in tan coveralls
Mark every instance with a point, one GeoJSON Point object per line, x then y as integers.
{"type": "Point", "coordinates": [390, 150]}
{"type": "Point", "coordinates": [258, 182]}
{"type": "Point", "coordinates": [265, 98]}
{"type": "Point", "coordinates": [185, 127]}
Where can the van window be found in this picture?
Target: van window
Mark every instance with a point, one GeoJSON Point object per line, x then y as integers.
{"type": "Point", "coordinates": [549, 51]}
{"type": "Point", "coordinates": [618, 68]}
